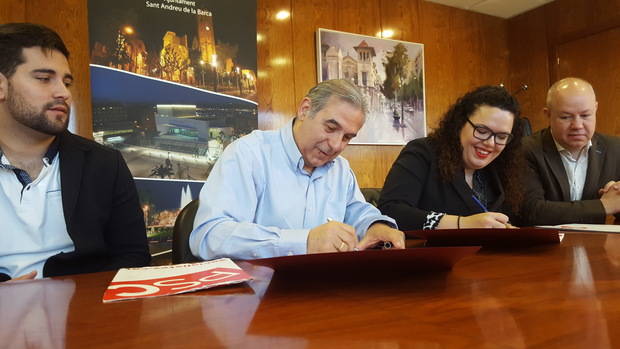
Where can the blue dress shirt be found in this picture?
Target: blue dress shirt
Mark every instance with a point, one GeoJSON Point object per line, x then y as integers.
{"type": "Point", "coordinates": [259, 202]}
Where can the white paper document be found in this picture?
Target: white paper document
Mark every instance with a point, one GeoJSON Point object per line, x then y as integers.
{"type": "Point", "coordinates": [601, 228]}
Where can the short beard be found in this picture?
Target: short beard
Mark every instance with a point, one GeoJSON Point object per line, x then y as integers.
{"type": "Point", "coordinates": [38, 121]}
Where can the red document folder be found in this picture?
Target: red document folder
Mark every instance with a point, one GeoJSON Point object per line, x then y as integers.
{"type": "Point", "coordinates": [405, 260]}
{"type": "Point", "coordinates": [131, 283]}
{"type": "Point", "coordinates": [486, 237]}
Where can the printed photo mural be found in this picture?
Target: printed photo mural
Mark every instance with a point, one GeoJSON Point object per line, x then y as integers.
{"type": "Point", "coordinates": [391, 75]}
{"type": "Point", "coordinates": [173, 83]}
{"type": "Point", "coordinates": [161, 201]}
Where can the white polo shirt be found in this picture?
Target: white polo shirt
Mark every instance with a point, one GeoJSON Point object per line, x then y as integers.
{"type": "Point", "coordinates": [32, 222]}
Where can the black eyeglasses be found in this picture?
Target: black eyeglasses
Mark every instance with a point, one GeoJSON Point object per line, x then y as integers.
{"type": "Point", "coordinates": [483, 133]}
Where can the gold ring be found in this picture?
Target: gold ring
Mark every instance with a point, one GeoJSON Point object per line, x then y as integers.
{"type": "Point", "coordinates": [342, 245]}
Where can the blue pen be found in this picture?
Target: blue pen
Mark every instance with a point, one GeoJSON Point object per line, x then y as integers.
{"type": "Point", "coordinates": [479, 203]}
{"type": "Point", "coordinates": [507, 224]}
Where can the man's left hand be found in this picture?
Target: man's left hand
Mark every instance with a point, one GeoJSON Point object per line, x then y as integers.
{"type": "Point", "coordinates": [381, 232]}
{"type": "Point", "coordinates": [611, 185]}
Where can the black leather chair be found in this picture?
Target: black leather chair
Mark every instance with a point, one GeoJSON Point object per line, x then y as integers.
{"type": "Point", "coordinates": [183, 226]}
{"type": "Point", "coordinates": [371, 195]}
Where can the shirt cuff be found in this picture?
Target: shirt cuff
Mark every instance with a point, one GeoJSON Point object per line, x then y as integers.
{"type": "Point", "coordinates": [363, 227]}
{"type": "Point", "coordinates": [293, 242]}
{"type": "Point", "coordinates": [432, 220]}
{"type": "Point", "coordinates": [390, 224]}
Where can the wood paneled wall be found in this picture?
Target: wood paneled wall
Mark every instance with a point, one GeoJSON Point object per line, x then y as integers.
{"type": "Point", "coordinates": [538, 38]}
{"type": "Point", "coordinates": [69, 19]}
{"type": "Point", "coordinates": [584, 58]}
{"type": "Point", "coordinates": [12, 11]}
{"type": "Point", "coordinates": [462, 50]}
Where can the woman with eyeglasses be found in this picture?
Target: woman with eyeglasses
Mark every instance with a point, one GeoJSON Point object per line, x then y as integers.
{"type": "Point", "coordinates": [465, 174]}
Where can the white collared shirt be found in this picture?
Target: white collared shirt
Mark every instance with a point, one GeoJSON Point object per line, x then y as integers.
{"type": "Point", "coordinates": [576, 169]}
{"type": "Point", "coordinates": [32, 222]}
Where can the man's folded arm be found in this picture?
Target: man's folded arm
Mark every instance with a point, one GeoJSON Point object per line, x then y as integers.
{"type": "Point", "coordinates": [225, 237]}
{"type": "Point", "coordinates": [536, 210]}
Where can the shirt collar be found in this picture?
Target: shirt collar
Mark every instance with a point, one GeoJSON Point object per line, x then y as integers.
{"type": "Point", "coordinates": [47, 159]}
{"type": "Point", "coordinates": [563, 150]}
{"type": "Point", "coordinates": [295, 158]}
{"type": "Point", "coordinates": [51, 152]}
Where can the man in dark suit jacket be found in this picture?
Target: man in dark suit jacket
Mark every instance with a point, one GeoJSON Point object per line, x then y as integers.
{"type": "Point", "coordinates": [67, 204]}
{"type": "Point", "coordinates": [573, 169]}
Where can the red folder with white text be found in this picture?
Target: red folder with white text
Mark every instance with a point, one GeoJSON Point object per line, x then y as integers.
{"type": "Point", "coordinates": [131, 283]}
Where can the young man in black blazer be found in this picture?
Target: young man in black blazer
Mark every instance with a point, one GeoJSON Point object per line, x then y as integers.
{"type": "Point", "coordinates": [67, 204]}
{"type": "Point", "coordinates": [573, 169]}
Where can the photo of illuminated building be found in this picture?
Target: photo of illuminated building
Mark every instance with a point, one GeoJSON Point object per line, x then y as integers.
{"type": "Point", "coordinates": [161, 201]}
{"type": "Point", "coordinates": [172, 85]}
{"type": "Point", "coordinates": [173, 82]}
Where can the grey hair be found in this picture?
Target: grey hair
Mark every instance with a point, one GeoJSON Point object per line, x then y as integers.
{"type": "Point", "coordinates": [344, 90]}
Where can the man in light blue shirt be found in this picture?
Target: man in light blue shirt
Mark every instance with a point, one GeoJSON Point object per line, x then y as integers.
{"type": "Point", "coordinates": [286, 192]}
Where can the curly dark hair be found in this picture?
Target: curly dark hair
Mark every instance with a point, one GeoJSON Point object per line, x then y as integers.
{"type": "Point", "coordinates": [508, 164]}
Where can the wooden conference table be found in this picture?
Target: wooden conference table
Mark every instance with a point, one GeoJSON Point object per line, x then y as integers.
{"type": "Point", "coordinates": [553, 296]}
